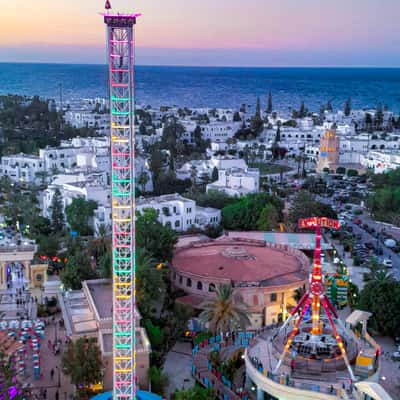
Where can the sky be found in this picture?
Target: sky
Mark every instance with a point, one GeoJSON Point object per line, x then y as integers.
{"type": "Point", "coordinates": [208, 32]}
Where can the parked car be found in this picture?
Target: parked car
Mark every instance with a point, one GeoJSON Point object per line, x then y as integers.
{"type": "Point", "coordinates": [387, 263]}
{"type": "Point", "coordinates": [357, 221]}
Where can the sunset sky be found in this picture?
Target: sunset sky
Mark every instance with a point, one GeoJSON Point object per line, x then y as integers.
{"type": "Point", "coordinates": [209, 32]}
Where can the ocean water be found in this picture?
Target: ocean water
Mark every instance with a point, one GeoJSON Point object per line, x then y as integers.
{"type": "Point", "coordinates": [213, 86]}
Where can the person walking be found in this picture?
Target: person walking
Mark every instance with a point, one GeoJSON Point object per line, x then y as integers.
{"type": "Point", "coordinates": [52, 374]}
{"type": "Point", "coordinates": [44, 394]}
{"type": "Point", "coordinates": [57, 395]}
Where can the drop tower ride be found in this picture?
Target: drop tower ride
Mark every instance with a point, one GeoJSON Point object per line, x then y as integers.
{"type": "Point", "coordinates": [120, 54]}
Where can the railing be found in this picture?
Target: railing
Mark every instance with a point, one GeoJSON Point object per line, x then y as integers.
{"type": "Point", "coordinates": [17, 248]}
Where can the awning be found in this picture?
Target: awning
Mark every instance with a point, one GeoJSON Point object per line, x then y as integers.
{"type": "Point", "coordinates": [301, 241]}
{"type": "Point", "coordinates": [373, 389]}
{"type": "Point", "coordinates": [356, 316]}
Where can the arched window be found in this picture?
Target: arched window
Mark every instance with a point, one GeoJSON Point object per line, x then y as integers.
{"type": "Point", "coordinates": [199, 285]}
{"type": "Point", "coordinates": [188, 282]}
{"type": "Point", "coordinates": [211, 287]}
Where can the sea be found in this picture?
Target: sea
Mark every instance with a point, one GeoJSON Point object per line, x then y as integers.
{"type": "Point", "coordinates": [226, 87]}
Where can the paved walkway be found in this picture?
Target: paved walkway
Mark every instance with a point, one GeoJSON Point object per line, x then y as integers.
{"type": "Point", "coordinates": [178, 367]}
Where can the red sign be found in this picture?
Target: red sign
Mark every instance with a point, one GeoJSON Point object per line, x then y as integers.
{"type": "Point", "coordinates": [323, 222]}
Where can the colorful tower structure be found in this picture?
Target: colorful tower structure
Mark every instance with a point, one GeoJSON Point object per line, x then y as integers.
{"type": "Point", "coordinates": [314, 298]}
{"type": "Point", "coordinates": [328, 152]}
{"type": "Point", "coordinates": [120, 52]}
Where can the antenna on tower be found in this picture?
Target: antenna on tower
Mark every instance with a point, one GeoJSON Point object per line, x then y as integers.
{"type": "Point", "coordinates": [107, 5]}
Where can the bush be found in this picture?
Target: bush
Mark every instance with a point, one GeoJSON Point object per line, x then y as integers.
{"type": "Point", "coordinates": [158, 380]}
{"type": "Point", "coordinates": [352, 172]}
{"type": "Point", "coordinates": [356, 261]}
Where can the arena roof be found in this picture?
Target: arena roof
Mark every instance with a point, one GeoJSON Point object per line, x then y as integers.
{"type": "Point", "coordinates": [239, 261]}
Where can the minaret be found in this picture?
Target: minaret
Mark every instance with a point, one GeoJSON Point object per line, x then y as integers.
{"type": "Point", "coordinates": [120, 53]}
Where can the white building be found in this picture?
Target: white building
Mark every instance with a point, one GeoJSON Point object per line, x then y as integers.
{"type": "Point", "coordinates": [381, 161]}
{"type": "Point", "coordinates": [88, 119]}
{"type": "Point", "coordinates": [23, 168]}
{"type": "Point", "coordinates": [180, 213]}
{"type": "Point", "coordinates": [237, 181]}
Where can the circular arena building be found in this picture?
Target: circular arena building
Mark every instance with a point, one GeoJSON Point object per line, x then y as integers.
{"type": "Point", "coordinates": [263, 275]}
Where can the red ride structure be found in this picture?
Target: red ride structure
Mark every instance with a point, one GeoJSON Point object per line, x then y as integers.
{"type": "Point", "coordinates": [315, 297]}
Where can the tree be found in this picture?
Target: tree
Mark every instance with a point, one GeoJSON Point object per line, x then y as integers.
{"type": "Point", "coordinates": [278, 135]}
{"type": "Point", "coordinates": [305, 205]}
{"type": "Point", "coordinates": [382, 299]}
{"type": "Point", "coordinates": [347, 107]}
{"type": "Point", "coordinates": [155, 239]}
{"type": "Point", "coordinates": [214, 174]}
{"type": "Point", "coordinates": [257, 124]}
{"type": "Point", "coordinates": [269, 106]}
{"type": "Point", "coordinates": [57, 215]}
{"type": "Point", "coordinates": [352, 172]}
{"type": "Point", "coordinates": [77, 270]}
{"type": "Point", "coordinates": [172, 133]}
{"type": "Point", "coordinates": [194, 393]}
{"type": "Point", "coordinates": [142, 180]}
{"type": "Point", "coordinates": [236, 117]}
{"type": "Point", "coordinates": [368, 122]}
{"type": "Point", "coordinates": [79, 213]}
{"type": "Point", "coordinates": [223, 313]}
{"type": "Point", "coordinates": [245, 213]}
{"type": "Point", "coordinates": [156, 163]}
{"type": "Point", "coordinates": [158, 380]}
{"type": "Point", "coordinates": [105, 264]}
{"type": "Point", "coordinates": [299, 293]}
{"type": "Point", "coordinates": [341, 170]}
{"type": "Point", "coordinates": [268, 219]}
{"type": "Point", "coordinates": [82, 361]}
{"type": "Point", "coordinates": [379, 117]}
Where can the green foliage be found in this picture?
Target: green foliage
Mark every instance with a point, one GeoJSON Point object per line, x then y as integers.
{"type": "Point", "coordinates": [269, 218]}
{"type": "Point", "coordinates": [341, 170]}
{"type": "Point", "coordinates": [352, 172]}
{"type": "Point", "coordinates": [156, 240]}
{"type": "Point", "coordinates": [78, 214]}
{"type": "Point", "coordinates": [385, 202]}
{"type": "Point", "coordinates": [171, 135]}
{"type": "Point", "coordinates": [222, 313]}
{"type": "Point", "coordinates": [105, 264]}
{"type": "Point", "coordinates": [213, 198]}
{"type": "Point", "coordinates": [77, 269]}
{"type": "Point", "coordinates": [194, 393]}
{"type": "Point", "coordinates": [156, 162]}
{"type": "Point", "coordinates": [214, 174]}
{"type": "Point", "coordinates": [167, 183]}
{"type": "Point", "coordinates": [57, 215]}
{"type": "Point", "coordinates": [155, 334]}
{"type": "Point", "coordinates": [158, 380]}
{"type": "Point", "coordinates": [257, 124]}
{"type": "Point", "coordinates": [269, 106]}
{"type": "Point", "coordinates": [29, 124]}
{"type": "Point", "coordinates": [347, 107]}
{"type": "Point", "coordinates": [305, 205]}
{"type": "Point", "coordinates": [82, 361]}
{"type": "Point", "coordinates": [382, 299]}
{"type": "Point", "coordinates": [245, 213]}
{"type": "Point", "coordinates": [236, 117]}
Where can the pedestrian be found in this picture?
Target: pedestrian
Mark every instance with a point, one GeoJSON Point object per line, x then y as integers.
{"type": "Point", "coordinates": [331, 389]}
{"type": "Point", "coordinates": [44, 394]}
{"type": "Point", "coordinates": [52, 374]}
{"type": "Point", "coordinates": [57, 395]}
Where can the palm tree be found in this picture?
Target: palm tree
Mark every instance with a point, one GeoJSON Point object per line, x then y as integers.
{"type": "Point", "coordinates": [223, 313]}
{"type": "Point", "coordinates": [299, 293]}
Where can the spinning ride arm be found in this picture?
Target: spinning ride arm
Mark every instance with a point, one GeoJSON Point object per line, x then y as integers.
{"type": "Point", "coordinates": [293, 334]}
{"type": "Point", "coordinates": [338, 338]}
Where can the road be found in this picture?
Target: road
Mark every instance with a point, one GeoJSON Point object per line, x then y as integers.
{"type": "Point", "coordinates": [367, 237]}
{"type": "Point", "coordinates": [387, 253]}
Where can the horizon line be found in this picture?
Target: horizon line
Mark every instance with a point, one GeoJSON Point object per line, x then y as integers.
{"type": "Point", "coordinates": [213, 66]}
